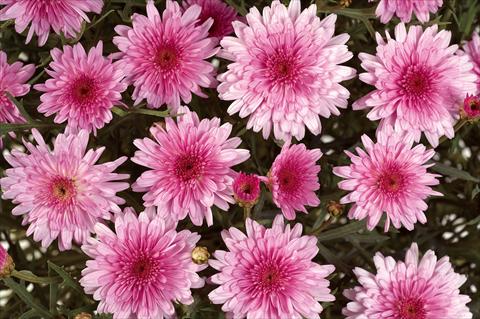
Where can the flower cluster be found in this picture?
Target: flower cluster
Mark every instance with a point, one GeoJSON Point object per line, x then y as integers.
{"type": "Point", "coordinates": [285, 69]}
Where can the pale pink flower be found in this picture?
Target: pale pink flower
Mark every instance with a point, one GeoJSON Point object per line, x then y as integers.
{"type": "Point", "coordinates": [62, 193]}
{"type": "Point", "coordinates": [189, 167]}
{"type": "Point", "coordinates": [142, 268]}
{"type": "Point", "coordinates": [164, 56]}
{"type": "Point", "coordinates": [426, 288]}
{"type": "Point", "coordinates": [246, 189]}
{"type": "Point", "coordinates": [420, 83]}
{"type": "Point", "coordinates": [404, 9]}
{"type": "Point", "coordinates": [390, 177]}
{"type": "Point", "coordinates": [222, 14]}
{"type": "Point", "coordinates": [285, 72]}
{"type": "Point", "coordinates": [63, 16]}
{"type": "Point", "coordinates": [472, 49]}
{"type": "Point", "coordinates": [471, 107]}
{"type": "Point", "coordinates": [293, 179]}
{"type": "Point", "coordinates": [12, 81]}
{"type": "Point", "coordinates": [83, 88]}
{"type": "Point", "coordinates": [269, 273]}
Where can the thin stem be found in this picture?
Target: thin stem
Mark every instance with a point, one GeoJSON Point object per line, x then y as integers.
{"type": "Point", "coordinates": [247, 210]}
{"type": "Point", "coordinates": [30, 277]}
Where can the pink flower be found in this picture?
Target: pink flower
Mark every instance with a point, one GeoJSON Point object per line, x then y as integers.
{"type": "Point", "coordinates": [222, 14]}
{"type": "Point", "coordinates": [62, 193]}
{"type": "Point", "coordinates": [63, 16]}
{"type": "Point", "coordinates": [246, 189]}
{"type": "Point", "coordinates": [389, 177]}
{"type": "Point", "coordinates": [471, 107]}
{"type": "Point", "coordinates": [83, 89]}
{"type": "Point", "coordinates": [293, 179]}
{"type": "Point", "coordinates": [285, 71]}
{"type": "Point", "coordinates": [6, 263]}
{"type": "Point", "coordinates": [164, 56]}
{"type": "Point", "coordinates": [189, 167]}
{"type": "Point", "coordinates": [404, 9]}
{"type": "Point", "coordinates": [142, 268]}
{"type": "Point", "coordinates": [269, 273]}
{"type": "Point", "coordinates": [12, 81]}
{"type": "Point", "coordinates": [419, 82]}
{"type": "Point", "coordinates": [415, 289]}
{"type": "Point", "coordinates": [472, 50]}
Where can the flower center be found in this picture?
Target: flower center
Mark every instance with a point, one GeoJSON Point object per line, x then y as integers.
{"type": "Point", "coordinates": [411, 308]}
{"type": "Point", "coordinates": [269, 277]}
{"type": "Point", "coordinates": [246, 188]}
{"type": "Point", "coordinates": [475, 105]}
{"type": "Point", "coordinates": [282, 68]}
{"type": "Point", "coordinates": [142, 270]}
{"type": "Point", "coordinates": [288, 180]}
{"type": "Point", "coordinates": [416, 82]}
{"type": "Point", "coordinates": [391, 182]}
{"type": "Point", "coordinates": [84, 90]}
{"type": "Point", "coordinates": [62, 189]}
{"type": "Point", "coordinates": [189, 168]}
{"type": "Point", "coordinates": [167, 58]}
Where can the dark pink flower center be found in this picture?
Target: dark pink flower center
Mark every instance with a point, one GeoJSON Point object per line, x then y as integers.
{"type": "Point", "coordinates": [416, 81]}
{"type": "Point", "coordinates": [189, 167]}
{"type": "Point", "coordinates": [62, 189]}
{"type": "Point", "coordinates": [84, 90]}
{"type": "Point", "coordinates": [269, 277]}
{"type": "Point", "coordinates": [411, 308]}
{"type": "Point", "coordinates": [167, 58]}
{"type": "Point", "coordinates": [246, 188]}
{"type": "Point", "coordinates": [282, 67]}
{"type": "Point", "coordinates": [140, 270]}
{"type": "Point", "coordinates": [288, 180]}
{"type": "Point", "coordinates": [391, 182]}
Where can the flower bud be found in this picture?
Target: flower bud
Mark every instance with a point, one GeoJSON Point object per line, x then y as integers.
{"type": "Point", "coordinates": [6, 263]}
{"type": "Point", "coordinates": [335, 208]}
{"type": "Point", "coordinates": [246, 189]}
{"type": "Point", "coordinates": [471, 107]}
{"type": "Point", "coordinates": [200, 255]}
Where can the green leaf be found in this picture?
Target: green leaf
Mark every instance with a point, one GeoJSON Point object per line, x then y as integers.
{"type": "Point", "coordinates": [8, 127]}
{"type": "Point", "coordinates": [67, 279]}
{"type": "Point", "coordinates": [26, 297]}
{"type": "Point", "coordinates": [454, 172]}
{"type": "Point", "coordinates": [332, 258]}
{"type": "Point", "coordinates": [29, 314]}
{"type": "Point", "coordinates": [475, 191]}
{"type": "Point", "coordinates": [342, 231]}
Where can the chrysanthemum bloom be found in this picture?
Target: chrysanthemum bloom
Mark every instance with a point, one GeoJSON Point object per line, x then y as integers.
{"type": "Point", "coordinates": [63, 16]}
{"type": "Point", "coordinates": [389, 177]}
{"type": "Point", "coordinates": [472, 49]}
{"type": "Point", "coordinates": [269, 273]}
{"type": "Point", "coordinates": [12, 81]}
{"type": "Point", "coordinates": [293, 179]}
{"type": "Point", "coordinates": [404, 9]}
{"type": "Point", "coordinates": [190, 167]}
{"type": "Point", "coordinates": [222, 14]}
{"type": "Point", "coordinates": [471, 107]}
{"type": "Point", "coordinates": [415, 289]}
{"type": "Point", "coordinates": [164, 56]}
{"type": "Point", "coordinates": [246, 189]}
{"type": "Point", "coordinates": [420, 82]}
{"type": "Point", "coordinates": [62, 193]}
{"type": "Point", "coordinates": [83, 89]}
{"type": "Point", "coordinates": [142, 269]}
{"type": "Point", "coordinates": [285, 71]}
{"type": "Point", "coordinates": [6, 263]}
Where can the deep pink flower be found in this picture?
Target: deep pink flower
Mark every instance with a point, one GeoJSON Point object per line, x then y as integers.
{"type": "Point", "coordinates": [404, 9]}
{"type": "Point", "coordinates": [142, 268]}
{"type": "Point", "coordinates": [285, 72]}
{"type": "Point", "coordinates": [472, 49]}
{"type": "Point", "coordinates": [293, 179]}
{"type": "Point", "coordinates": [471, 107]}
{"type": "Point", "coordinates": [189, 167]}
{"type": "Point", "coordinates": [269, 273]}
{"type": "Point", "coordinates": [63, 16]}
{"type": "Point", "coordinates": [415, 289]}
{"type": "Point", "coordinates": [164, 56]}
{"type": "Point", "coordinates": [6, 263]}
{"type": "Point", "coordinates": [83, 89]}
{"type": "Point", "coordinates": [420, 82]}
{"type": "Point", "coordinates": [62, 193]}
{"type": "Point", "coordinates": [389, 177]}
{"type": "Point", "coordinates": [12, 81]}
{"type": "Point", "coordinates": [222, 14]}
{"type": "Point", "coordinates": [246, 189]}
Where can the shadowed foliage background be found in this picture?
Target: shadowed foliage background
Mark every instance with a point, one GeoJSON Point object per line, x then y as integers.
{"type": "Point", "coordinates": [453, 226]}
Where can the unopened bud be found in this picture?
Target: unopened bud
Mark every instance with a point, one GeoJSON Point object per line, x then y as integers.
{"type": "Point", "coordinates": [471, 108]}
{"type": "Point", "coordinates": [246, 189]}
{"type": "Point", "coordinates": [6, 263]}
{"type": "Point", "coordinates": [335, 208]}
{"type": "Point", "coordinates": [83, 315]}
{"type": "Point", "coordinates": [200, 255]}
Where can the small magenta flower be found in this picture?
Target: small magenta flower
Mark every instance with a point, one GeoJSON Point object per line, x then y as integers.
{"type": "Point", "coordinates": [471, 107]}
{"type": "Point", "coordinates": [6, 263]}
{"type": "Point", "coordinates": [246, 189]}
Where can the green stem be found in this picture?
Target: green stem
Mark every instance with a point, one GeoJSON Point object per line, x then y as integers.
{"type": "Point", "coordinates": [247, 210]}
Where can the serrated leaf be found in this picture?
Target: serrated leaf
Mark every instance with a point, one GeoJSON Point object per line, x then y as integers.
{"type": "Point", "coordinates": [26, 297]}
{"type": "Point", "coordinates": [454, 172]}
{"type": "Point", "coordinates": [67, 279]}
